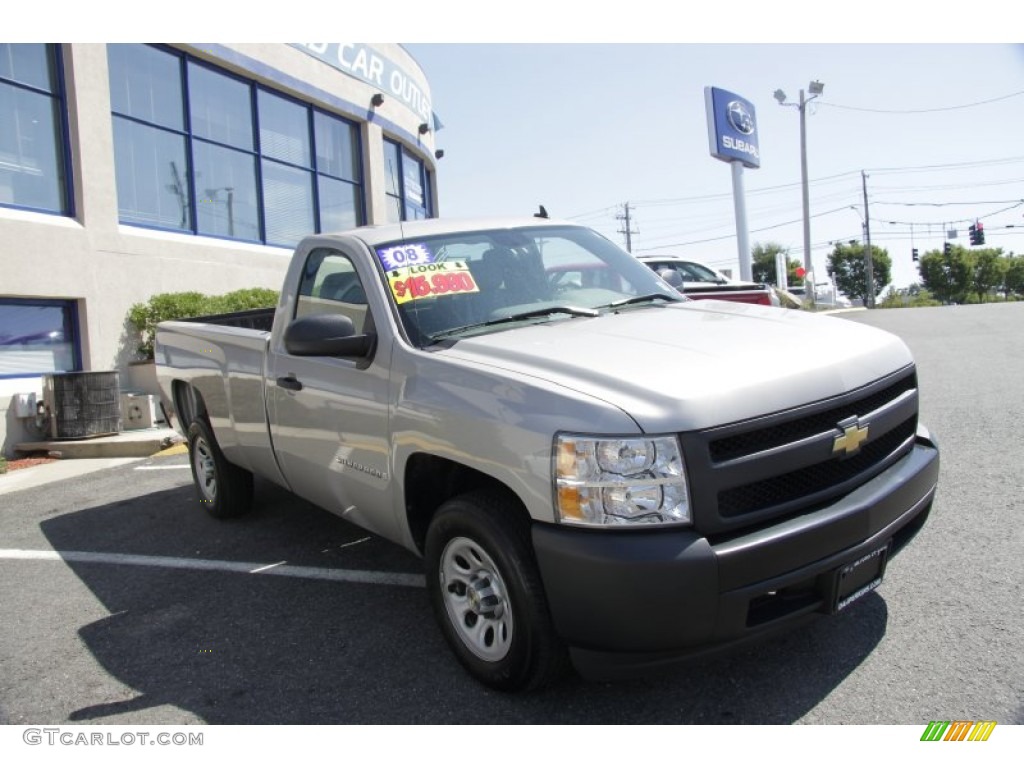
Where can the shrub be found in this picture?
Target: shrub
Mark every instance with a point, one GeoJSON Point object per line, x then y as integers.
{"type": "Point", "coordinates": [177, 306]}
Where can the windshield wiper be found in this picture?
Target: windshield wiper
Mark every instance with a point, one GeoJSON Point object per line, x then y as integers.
{"type": "Point", "coordinates": [639, 299]}
{"type": "Point", "coordinates": [525, 315]}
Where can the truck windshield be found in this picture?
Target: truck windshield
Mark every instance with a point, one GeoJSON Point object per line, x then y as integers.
{"type": "Point", "coordinates": [466, 283]}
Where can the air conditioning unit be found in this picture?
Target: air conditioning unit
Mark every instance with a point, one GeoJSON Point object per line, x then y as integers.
{"type": "Point", "coordinates": [139, 411]}
{"type": "Point", "coordinates": [82, 404]}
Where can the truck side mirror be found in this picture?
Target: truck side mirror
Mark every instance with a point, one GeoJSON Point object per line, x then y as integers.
{"type": "Point", "coordinates": [326, 336]}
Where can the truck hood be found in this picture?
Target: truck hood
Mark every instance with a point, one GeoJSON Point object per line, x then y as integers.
{"type": "Point", "coordinates": [694, 365]}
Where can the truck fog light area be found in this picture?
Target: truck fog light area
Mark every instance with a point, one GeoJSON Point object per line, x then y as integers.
{"type": "Point", "coordinates": [601, 481]}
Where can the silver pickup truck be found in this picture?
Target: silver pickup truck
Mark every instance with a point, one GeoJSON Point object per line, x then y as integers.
{"type": "Point", "coordinates": [605, 474]}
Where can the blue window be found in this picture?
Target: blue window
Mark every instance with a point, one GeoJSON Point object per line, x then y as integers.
{"type": "Point", "coordinates": [407, 185]}
{"type": "Point", "coordinates": [38, 336]}
{"type": "Point", "coordinates": [200, 150]}
{"type": "Point", "coordinates": [32, 129]}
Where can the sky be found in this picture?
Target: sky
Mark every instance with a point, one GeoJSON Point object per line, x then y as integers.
{"type": "Point", "coordinates": [586, 128]}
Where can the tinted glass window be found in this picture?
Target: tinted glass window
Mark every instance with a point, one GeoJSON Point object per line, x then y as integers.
{"type": "Point", "coordinates": [152, 176]}
{"type": "Point", "coordinates": [220, 107]}
{"type": "Point", "coordinates": [31, 144]}
{"type": "Point", "coordinates": [339, 205]}
{"type": "Point", "coordinates": [229, 170]}
{"type": "Point", "coordinates": [284, 129]}
{"type": "Point", "coordinates": [226, 200]}
{"type": "Point", "coordinates": [288, 202]}
{"type": "Point", "coordinates": [145, 83]}
{"type": "Point", "coordinates": [392, 168]}
{"type": "Point", "coordinates": [28, 64]}
{"type": "Point", "coordinates": [37, 337]}
{"type": "Point", "coordinates": [336, 147]}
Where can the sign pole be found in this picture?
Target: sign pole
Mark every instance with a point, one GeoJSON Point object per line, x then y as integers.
{"type": "Point", "coordinates": [739, 203]}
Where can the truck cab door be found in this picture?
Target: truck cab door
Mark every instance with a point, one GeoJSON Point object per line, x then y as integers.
{"type": "Point", "coordinates": [329, 414]}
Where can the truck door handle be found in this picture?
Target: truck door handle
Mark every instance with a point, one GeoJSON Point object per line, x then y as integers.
{"type": "Point", "coordinates": [289, 382]}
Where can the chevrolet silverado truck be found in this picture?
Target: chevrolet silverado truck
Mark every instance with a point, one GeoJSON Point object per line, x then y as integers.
{"type": "Point", "coordinates": [698, 281]}
{"type": "Point", "coordinates": [614, 477]}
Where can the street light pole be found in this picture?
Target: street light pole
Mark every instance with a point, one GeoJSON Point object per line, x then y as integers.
{"type": "Point", "coordinates": [808, 262]}
{"type": "Point", "coordinates": [815, 88]}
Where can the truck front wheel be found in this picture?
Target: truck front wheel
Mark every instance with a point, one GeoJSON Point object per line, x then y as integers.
{"type": "Point", "coordinates": [487, 594]}
{"type": "Point", "coordinates": [225, 490]}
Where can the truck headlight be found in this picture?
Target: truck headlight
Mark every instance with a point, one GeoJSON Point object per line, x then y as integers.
{"type": "Point", "coordinates": [603, 481]}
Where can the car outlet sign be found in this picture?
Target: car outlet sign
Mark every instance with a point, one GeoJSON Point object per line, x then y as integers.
{"type": "Point", "coordinates": [732, 127]}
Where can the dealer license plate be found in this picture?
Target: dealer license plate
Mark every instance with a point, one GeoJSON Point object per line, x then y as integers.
{"type": "Point", "coordinates": [854, 580]}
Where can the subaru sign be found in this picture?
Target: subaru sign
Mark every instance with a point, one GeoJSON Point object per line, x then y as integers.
{"type": "Point", "coordinates": [732, 127]}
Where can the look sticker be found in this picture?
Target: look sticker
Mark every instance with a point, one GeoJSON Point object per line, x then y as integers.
{"type": "Point", "coordinates": [422, 280]}
{"type": "Point", "coordinates": [406, 255]}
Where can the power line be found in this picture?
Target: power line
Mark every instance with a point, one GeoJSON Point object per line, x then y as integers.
{"type": "Point", "coordinates": [920, 111]}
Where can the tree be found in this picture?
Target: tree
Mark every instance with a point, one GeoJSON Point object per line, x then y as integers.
{"type": "Point", "coordinates": [846, 264]}
{"type": "Point", "coordinates": [1014, 279]}
{"type": "Point", "coordinates": [987, 271]}
{"type": "Point", "coordinates": [763, 264]}
{"type": "Point", "coordinates": [948, 276]}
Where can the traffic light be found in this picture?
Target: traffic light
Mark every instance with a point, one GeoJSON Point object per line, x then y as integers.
{"type": "Point", "coordinates": [973, 229]}
{"type": "Point", "coordinates": [913, 254]}
{"type": "Point", "coordinates": [947, 249]}
{"type": "Point", "coordinates": [979, 234]}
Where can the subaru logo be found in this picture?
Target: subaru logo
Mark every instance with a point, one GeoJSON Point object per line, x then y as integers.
{"type": "Point", "coordinates": [740, 117]}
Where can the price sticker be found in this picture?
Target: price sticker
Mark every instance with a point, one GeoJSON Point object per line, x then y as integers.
{"type": "Point", "coordinates": [422, 280]}
{"type": "Point", "coordinates": [406, 255]}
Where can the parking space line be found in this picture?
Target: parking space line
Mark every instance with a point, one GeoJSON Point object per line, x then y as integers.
{"type": "Point", "coordinates": [168, 466]}
{"type": "Point", "coordinates": [226, 566]}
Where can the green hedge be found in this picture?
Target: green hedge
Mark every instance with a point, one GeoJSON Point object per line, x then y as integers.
{"type": "Point", "coordinates": [176, 306]}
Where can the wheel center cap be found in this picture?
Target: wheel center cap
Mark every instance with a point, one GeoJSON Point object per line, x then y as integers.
{"type": "Point", "coordinates": [484, 599]}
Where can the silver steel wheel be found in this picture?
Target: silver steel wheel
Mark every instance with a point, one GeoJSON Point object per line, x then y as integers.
{"type": "Point", "coordinates": [205, 468]}
{"type": "Point", "coordinates": [476, 599]}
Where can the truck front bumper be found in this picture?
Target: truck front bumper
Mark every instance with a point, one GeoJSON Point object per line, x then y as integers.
{"type": "Point", "coordinates": [632, 602]}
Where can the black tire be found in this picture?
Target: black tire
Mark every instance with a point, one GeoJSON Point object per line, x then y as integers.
{"type": "Point", "coordinates": [487, 594]}
{"type": "Point", "coordinates": [225, 490]}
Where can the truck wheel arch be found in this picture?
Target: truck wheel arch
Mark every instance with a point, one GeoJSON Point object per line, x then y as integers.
{"type": "Point", "coordinates": [188, 404]}
{"type": "Point", "coordinates": [431, 480]}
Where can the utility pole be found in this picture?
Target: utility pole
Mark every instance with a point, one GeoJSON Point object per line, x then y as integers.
{"type": "Point", "coordinates": [869, 266]}
{"type": "Point", "coordinates": [628, 231]}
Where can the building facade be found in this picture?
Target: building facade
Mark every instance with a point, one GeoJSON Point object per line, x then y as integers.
{"type": "Point", "coordinates": [129, 170]}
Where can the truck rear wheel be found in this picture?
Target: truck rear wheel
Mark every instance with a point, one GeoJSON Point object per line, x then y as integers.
{"type": "Point", "coordinates": [225, 490]}
{"type": "Point", "coordinates": [487, 594]}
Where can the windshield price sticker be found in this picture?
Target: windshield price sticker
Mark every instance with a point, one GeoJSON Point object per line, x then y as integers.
{"type": "Point", "coordinates": [406, 255]}
{"type": "Point", "coordinates": [422, 280]}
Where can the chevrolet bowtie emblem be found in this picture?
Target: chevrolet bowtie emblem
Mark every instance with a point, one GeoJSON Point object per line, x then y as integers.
{"type": "Point", "coordinates": [853, 436]}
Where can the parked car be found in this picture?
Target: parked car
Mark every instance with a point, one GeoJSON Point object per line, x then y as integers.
{"type": "Point", "coordinates": [594, 469]}
{"type": "Point", "coordinates": [699, 281]}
